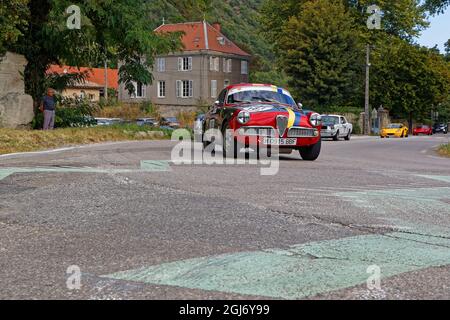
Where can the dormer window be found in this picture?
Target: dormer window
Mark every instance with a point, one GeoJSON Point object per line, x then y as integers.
{"type": "Point", "coordinates": [221, 40]}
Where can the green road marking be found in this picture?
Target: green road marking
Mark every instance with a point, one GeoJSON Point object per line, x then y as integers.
{"type": "Point", "coordinates": [4, 174]}
{"type": "Point", "coordinates": [301, 270]}
{"type": "Point", "coordinates": [154, 165]}
{"type": "Point", "coordinates": [146, 166]}
{"type": "Point", "coordinates": [439, 178]}
{"type": "Point", "coordinates": [407, 208]}
{"type": "Point", "coordinates": [309, 269]}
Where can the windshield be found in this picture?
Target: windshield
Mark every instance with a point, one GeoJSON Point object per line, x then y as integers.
{"type": "Point", "coordinates": [260, 96]}
{"type": "Point", "coordinates": [395, 126]}
{"type": "Point", "coordinates": [327, 120]}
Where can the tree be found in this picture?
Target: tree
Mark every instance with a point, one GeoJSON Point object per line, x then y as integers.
{"type": "Point", "coordinates": [409, 80]}
{"type": "Point", "coordinates": [447, 50]}
{"type": "Point", "coordinates": [114, 30]}
{"type": "Point", "coordinates": [436, 6]}
{"type": "Point", "coordinates": [13, 14]}
{"type": "Point", "coordinates": [402, 18]}
{"type": "Point", "coordinates": [320, 52]}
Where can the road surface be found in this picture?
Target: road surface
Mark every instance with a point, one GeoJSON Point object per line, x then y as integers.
{"type": "Point", "coordinates": [138, 227]}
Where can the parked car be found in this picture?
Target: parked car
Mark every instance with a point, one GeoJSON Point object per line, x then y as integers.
{"type": "Point", "coordinates": [169, 123]}
{"type": "Point", "coordinates": [256, 116]}
{"type": "Point", "coordinates": [335, 126]}
{"type": "Point", "coordinates": [108, 121]}
{"type": "Point", "coordinates": [440, 128]}
{"type": "Point", "coordinates": [147, 122]}
{"type": "Point", "coordinates": [395, 130]}
{"type": "Point", "coordinates": [427, 130]}
{"type": "Point", "coordinates": [198, 127]}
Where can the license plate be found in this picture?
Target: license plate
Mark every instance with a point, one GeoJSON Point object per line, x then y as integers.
{"type": "Point", "coordinates": [280, 141]}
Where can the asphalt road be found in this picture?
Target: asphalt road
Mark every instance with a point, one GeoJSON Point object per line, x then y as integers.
{"type": "Point", "coordinates": [315, 230]}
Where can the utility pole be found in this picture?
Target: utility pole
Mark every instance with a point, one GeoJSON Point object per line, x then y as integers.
{"type": "Point", "coordinates": [366, 104]}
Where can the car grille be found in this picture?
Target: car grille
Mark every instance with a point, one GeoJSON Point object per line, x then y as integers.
{"type": "Point", "coordinates": [257, 131]}
{"type": "Point", "coordinates": [297, 132]}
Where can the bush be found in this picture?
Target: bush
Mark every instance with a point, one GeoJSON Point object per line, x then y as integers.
{"type": "Point", "coordinates": [186, 118]}
{"type": "Point", "coordinates": [70, 112]}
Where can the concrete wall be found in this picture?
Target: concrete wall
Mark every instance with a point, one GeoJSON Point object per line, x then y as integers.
{"type": "Point", "coordinates": [16, 107]}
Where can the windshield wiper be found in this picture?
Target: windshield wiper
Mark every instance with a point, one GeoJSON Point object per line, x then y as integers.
{"type": "Point", "coordinates": [239, 101]}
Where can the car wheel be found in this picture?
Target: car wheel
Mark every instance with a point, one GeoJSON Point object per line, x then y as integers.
{"type": "Point", "coordinates": [311, 153]}
{"type": "Point", "coordinates": [348, 137]}
{"type": "Point", "coordinates": [263, 152]}
{"type": "Point", "coordinates": [336, 137]}
{"type": "Point", "coordinates": [229, 144]}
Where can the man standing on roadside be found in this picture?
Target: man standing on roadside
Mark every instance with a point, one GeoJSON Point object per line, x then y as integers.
{"type": "Point", "coordinates": [47, 106]}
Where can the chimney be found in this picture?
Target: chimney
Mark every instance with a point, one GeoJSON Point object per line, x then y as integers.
{"type": "Point", "coordinates": [216, 26]}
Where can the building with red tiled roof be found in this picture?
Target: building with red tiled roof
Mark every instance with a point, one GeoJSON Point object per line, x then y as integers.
{"type": "Point", "coordinates": [94, 84]}
{"type": "Point", "coordinates": [208, 63]}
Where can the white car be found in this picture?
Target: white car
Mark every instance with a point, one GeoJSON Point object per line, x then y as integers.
{"type": "Point", "coordinates": [336, 127]}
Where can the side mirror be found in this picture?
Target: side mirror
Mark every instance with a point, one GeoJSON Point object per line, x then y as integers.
{"type": "Point", "coordinates": [300, 106]}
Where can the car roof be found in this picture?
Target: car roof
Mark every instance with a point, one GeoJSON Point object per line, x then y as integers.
{"type": "Point", "coordinates": [256, 85]}
{"type": "Point", "coordinates": [331, 115]}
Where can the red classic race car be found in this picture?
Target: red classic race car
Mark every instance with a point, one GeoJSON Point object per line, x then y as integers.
{"type": "Point", "coordinates": [258, 116]}
{"type": "Point", "coordinates": [423, 130]}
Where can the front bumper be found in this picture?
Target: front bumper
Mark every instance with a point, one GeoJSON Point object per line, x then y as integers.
{"type": "Point", "coordinates": [391, 134]}
{"type": "Point", "coordinates": [254, 136]}
{"type": "Point", "coordinates": [325, 133]}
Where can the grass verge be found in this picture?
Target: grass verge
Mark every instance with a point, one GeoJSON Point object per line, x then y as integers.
{"type": "Point", "coordinates": [445, 150]}
{"type": "Point", "coordinates": [12, 141]}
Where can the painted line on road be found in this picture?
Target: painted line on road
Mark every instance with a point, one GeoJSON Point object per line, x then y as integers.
{"type": "Point", "coordinates": [438, 178]}
{"type": "Point", "coordinates": [145, 166]}
{"type": "Point", "coordinates": [301, 270]}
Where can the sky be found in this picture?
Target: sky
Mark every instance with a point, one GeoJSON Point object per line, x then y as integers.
{"type": "Point", "coordinates": [438, 32]}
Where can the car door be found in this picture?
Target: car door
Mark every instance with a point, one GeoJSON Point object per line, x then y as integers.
{"type": "Point", "coordinates": [344, 126]}
{"type": "Point", "coordinates": [214, 118]}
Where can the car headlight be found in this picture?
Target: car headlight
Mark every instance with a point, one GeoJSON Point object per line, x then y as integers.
{"type": "Point", "coordinates": [243, 117]}
{"type": "Point", "coordinates": [315, 119]}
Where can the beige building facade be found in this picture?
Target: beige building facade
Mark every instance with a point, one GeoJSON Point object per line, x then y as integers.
{"type": "Point", "coordinates": [197, 75]}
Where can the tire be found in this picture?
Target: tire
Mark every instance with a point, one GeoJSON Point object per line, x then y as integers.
{"type": "Point", "coordinates": [311, 153]}
{"type": "Point", "coordinates": [348, 137]}
{"type": "Point", "coordinates": [227, 150]}
{"type": "Point", "coordinates": [336, 137]}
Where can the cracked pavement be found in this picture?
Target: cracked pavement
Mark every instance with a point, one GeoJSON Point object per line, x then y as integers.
{"type": "Point", "coordinates": [357, 195]}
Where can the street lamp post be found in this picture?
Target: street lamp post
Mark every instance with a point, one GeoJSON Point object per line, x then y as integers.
{"type": "Point", "coordinates": [366, 102]}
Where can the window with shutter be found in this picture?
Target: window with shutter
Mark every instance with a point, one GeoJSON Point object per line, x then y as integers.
{"type": "Point", "coordinates": [229, 65]}
{"type": "Point", "coordinates": [161, 89]}
{"type": "Point", "coordinates": [191, 88]}
{"type": "Point", "coordinates": [244, 67]}
{"type": "Point", "coordinates": [213, 88]}
{"type": "Point", "coordinates": [217, 64]}
{"type": "Point", "coordinates": [161, 64]}
{"type": "Point", "coordinates": [178, 88]}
